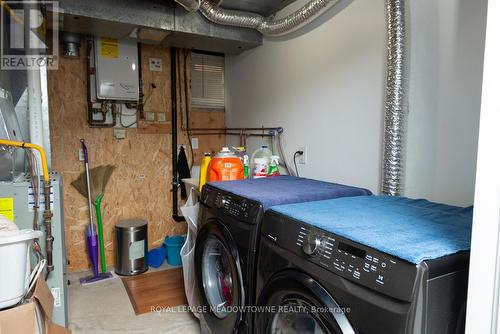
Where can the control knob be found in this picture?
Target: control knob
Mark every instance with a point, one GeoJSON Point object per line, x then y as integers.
{"type": "Point", "coordinates": [221, 202]}
{"type": "Point", "coordinates": [311, 244]}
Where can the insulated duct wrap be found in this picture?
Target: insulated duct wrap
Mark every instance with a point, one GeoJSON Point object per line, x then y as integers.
{"type": "Point", "coordinates": [396, 104]}
{"type": "Point", "coordinates": [267, 26]}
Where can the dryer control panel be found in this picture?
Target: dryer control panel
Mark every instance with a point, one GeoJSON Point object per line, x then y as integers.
{"type": "Point", "coordinates": [346, 258]}
{"type": "Point", "coordinates": [235, 206]}
{"type": "Point", "coordinates": [342, 256]}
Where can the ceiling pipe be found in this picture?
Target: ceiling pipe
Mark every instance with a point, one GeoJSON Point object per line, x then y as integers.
{"type": "Point", "coordinates": [396, 99]}
{"type": "Point", "coordinates": [267, 26]}
{"type": "Point", "coordinates": [71, 44]}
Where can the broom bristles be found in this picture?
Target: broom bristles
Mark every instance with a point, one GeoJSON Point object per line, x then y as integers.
{"type": "Point", "coordinates": [99, 177]}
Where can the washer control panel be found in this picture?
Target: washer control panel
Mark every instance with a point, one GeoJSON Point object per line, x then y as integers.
{"type": "Point", "coordinates": [346, 258]}
{"type": "Point", "coordinates": [232, 205]}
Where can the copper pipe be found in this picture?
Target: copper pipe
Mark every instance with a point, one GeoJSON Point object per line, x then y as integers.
{"type": "Point", "coordinates": [232, 134]}
{"type": "Point", "coordinates": [232, 129]}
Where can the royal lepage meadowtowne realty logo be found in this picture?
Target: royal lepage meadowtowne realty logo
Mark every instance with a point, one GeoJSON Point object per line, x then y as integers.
{"type": "Point", "coordinates": [29, 37]}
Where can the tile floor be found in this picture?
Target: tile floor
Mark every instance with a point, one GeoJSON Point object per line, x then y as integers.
{"type": "Point", "coordinates": [104, 307]}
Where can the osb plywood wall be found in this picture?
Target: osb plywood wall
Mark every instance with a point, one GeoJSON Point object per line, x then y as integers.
{"type": "Point", "coordinates": [140, 185]}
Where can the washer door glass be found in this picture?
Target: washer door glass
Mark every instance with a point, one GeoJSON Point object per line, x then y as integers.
{"type": "Point", "coordinates": [295, 317]}
{"type": "Point", "coordinates": [219, 277]}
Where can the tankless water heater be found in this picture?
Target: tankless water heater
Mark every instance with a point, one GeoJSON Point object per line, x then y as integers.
{"type": "Point", "coordinates": [117, 69]}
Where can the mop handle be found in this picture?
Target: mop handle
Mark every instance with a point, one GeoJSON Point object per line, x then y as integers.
{"type": "Point", "coordinates": [87, 174]}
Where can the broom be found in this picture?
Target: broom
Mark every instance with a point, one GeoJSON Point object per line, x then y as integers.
{"type": "Point", "coordinates": [99, 177]}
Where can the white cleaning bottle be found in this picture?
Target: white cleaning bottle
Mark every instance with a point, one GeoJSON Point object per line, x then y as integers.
{"type": "Point", "coordinates": [260, 162]}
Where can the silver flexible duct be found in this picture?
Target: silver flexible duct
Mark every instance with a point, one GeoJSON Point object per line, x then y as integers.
{"type": "Point", "coordinates": [189, 5]}
{"type": "Point", "coordinates": [297, 19]}
{"type": "Point", "coordinates": [267, 26]}
{"type": "Point", "coordinates": [229, 17]}
{"type": "Point", "coordinates": [396, 103]}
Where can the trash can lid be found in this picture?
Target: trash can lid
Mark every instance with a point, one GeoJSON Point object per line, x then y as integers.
{"type": "Point", "coordinates": [131, 223]}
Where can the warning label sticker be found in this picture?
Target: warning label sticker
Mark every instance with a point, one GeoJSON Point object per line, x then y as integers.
{"type": "Point", "coordinates": [109, 47]}
{"type": "Point", "coordinates": [7, 208]}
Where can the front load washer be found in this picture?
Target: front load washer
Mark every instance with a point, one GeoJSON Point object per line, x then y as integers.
{"type": "Point", "coordinates": [228, 237]}
{"type": "Point", "coordinates": [364, 265]}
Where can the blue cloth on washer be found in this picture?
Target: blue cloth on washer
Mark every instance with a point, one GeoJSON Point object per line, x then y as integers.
{"type": "Point", "coordinates": [411, 229]}
{"type": "Point", "coordinates": [283, 189]}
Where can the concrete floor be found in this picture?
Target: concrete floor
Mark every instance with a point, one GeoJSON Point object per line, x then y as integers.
{"type": "Point", "coordinates": [105, 308]}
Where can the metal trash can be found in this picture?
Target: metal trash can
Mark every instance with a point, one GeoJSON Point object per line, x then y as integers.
{"type": "Point", "coordinates": [131, 240]}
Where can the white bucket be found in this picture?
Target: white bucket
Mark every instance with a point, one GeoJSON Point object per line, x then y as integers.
{"type": "Point", "coordinates": [14, 265]}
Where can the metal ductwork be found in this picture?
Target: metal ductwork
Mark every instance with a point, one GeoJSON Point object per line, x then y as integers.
{"type": "Point", "coordinates": [396, 102]}
{"type": "Point", "coordinates": [154, 22]}
{"type": "Point", "coordinates": [267, 26]}
{"type": "Point", "coordinates": [71, 44]}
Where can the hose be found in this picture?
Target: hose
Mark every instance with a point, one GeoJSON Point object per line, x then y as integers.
{"type": "Point", "coordinates": [282, 153]}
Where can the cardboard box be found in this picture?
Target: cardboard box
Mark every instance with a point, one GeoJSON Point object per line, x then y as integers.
{"type": "Point", "coordinates": [33, 317]}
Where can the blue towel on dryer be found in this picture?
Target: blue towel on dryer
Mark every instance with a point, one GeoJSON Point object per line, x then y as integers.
{"type": "Point", "coordinates": [411, 229]}
{"type": "Point", "coordinates": [283, 189]}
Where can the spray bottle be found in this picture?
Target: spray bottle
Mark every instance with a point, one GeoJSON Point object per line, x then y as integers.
{"type": "Point", "coordinates": [246, 163]}
{"type": "Point", "coordinates": [274, 166]}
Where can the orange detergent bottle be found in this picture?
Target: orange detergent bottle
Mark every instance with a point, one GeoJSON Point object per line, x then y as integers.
{"type": "Point", "coordinates": [225, 166]}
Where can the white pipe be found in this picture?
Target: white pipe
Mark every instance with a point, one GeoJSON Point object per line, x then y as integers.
{"type": "Point", "coordinates": [45, 113]}
{"type": "Point", "coordinates": [35, 112]}
{"type": "Point", "coordinates": [35, 108]}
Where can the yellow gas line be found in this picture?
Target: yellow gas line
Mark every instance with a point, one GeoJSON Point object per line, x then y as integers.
{"type": "Point", "coordinates": [45, 167]}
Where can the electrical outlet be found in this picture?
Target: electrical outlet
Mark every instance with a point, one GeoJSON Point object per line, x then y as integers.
{"type": "Point", "coordinates": [150, 116]}
{"type": "Point", "coordinates": [155, 64]}
{"type": "Point", "coordinates": [302, 159]}
{"type": "Point", "coordinates": [194, 143]}
{"type": "Point", "coordinates": [162, 117]}
{"type": "Point", "coordinates": [120, 133]}
{"type": "Point", "coordinates": [80, 154]}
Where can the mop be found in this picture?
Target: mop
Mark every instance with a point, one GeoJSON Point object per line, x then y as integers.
{"type": "Point", "coordinates": [93, 237]}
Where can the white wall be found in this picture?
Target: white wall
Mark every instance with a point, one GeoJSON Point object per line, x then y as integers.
{"type": "Point", "coordinates": [447, 42]}
{"type": "Point", "coordinates": [326, 89]}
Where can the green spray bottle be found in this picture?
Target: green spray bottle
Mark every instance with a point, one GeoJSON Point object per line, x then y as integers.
{"type": "Point", "coordinates": [246, 163]}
